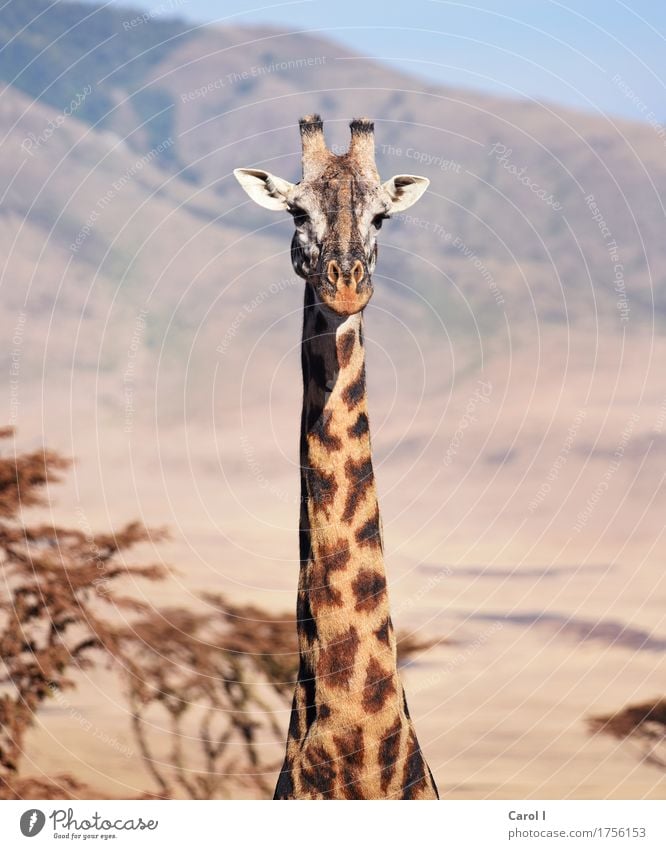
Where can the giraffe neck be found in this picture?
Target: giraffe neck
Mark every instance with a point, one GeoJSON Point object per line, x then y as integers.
{"type": "Point", "coordinates": [350, 733]}
{"type": "Point", "coordinates": [344, 603]}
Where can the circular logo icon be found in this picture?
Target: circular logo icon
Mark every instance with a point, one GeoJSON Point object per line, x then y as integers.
{"type": "Point", "coordinates": [32, 822]}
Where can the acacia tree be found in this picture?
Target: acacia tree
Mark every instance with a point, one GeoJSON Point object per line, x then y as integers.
{"type": "Point", "coordinates": [56, 584]}
{"type": "Point", "coordinates": [642, 725]}
{"type": "Point", "coordinates": [204, 691]}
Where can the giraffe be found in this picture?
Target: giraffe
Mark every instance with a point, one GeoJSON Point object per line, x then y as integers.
{"type": "Point", "coordinates": [350, 734]}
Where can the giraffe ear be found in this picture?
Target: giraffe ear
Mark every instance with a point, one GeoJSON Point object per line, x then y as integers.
{"type": "Point", "coordinates": [264, 188]}
{"type": "Point", "coordinates": [404, 190]}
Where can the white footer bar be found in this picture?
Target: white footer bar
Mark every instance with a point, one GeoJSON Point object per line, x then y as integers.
{"type": "Point", "coordinates": [336, 825]}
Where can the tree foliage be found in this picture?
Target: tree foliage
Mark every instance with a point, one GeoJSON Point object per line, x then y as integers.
{"type": "Point", "coordinates": [56, 584]}
{"type": "Point", "coordinates": [641, 725]}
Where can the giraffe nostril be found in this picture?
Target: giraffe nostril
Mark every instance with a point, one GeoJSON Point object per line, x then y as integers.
{"type": "Point", "coordinates": [357, 272]}
{"type": "Point", "coordinates": [333, 272]}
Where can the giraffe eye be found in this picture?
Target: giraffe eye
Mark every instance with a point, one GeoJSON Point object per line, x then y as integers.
{"type": "Point", "coordinates": [299, 215]}
{"type": "Point", "coordinates": [378, 220]}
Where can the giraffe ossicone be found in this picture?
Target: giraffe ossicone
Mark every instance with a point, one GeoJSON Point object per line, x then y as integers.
{"type": "Point", "coordinates": [350, 734]}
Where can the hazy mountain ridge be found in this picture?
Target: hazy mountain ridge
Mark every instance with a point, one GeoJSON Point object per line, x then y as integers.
{"type": "Point", "coordinates": [54, 52]}
{"type": "Point", "coordinates": [211, 97]}
{"type": "Point", "coordinates": [105, 217]}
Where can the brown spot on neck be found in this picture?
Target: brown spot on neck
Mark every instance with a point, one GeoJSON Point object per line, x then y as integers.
{"type": "Point", "coordinates": [321, 430]}
{"type": "Point", "coordinates": [360, 479]}
{"type": "Point", "coordinates": [369, 533]}
{"type": "Point", "coordinates": [369, 588]}
{"type": "Point", "coordinates": [351, 751]}
{"type": "Point", "coordinates": [379, 686]}
{"type": "Point", "coordinates": [354, 392]}
{"type": "Point", "coordinates": [414, 777]}
{"type": "Point", "coordinates": [321, 488]}
{"type": "Point", "coordinates": [389, 750]}
{"type": "Point", "coordinates": [345, 346]}
{"type": "Point", "coordinates": [360, 427]}
{"type": "Point", "coordinates": [383, 633]}
{"type": "Point", "coordinates": [329, 559]}
{"type": "Point", "coordinates": [337, 659]}
{"type": "Point", "coordinates": [318, 771]}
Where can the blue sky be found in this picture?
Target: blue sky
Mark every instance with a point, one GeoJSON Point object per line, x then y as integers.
{"type": "Point", "coordinates": [563, 52]}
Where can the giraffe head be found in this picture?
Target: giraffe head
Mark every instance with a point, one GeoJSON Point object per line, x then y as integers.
{"type": "Point", "coordinates": [337, 208]}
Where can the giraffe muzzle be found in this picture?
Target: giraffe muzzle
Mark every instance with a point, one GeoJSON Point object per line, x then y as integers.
{"type": "Point", "coordinates": [344, 286]}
